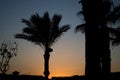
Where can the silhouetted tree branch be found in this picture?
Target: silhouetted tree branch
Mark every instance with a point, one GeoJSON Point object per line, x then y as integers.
{"type": "Point", "coordinates": [7, 51]}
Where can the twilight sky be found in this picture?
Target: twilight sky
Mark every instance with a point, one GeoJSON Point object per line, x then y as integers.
{"type": "Point", "coordinates": [68, 55]}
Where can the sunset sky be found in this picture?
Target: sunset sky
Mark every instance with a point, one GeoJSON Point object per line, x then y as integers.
{"type": "Point", "coordinates": [68, 56]}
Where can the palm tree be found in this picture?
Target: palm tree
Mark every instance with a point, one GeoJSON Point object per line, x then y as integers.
{"type": "Point", "coordinates": [43, 31]}
{"type": "Point", "coordinates": [107, 15]}
{"type": "Point", "coordinates": [110, 15]}
{"type": "Point", "coordinates": [90, 11]}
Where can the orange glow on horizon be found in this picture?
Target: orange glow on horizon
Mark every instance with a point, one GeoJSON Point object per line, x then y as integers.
{"type": "Point", "coordinates": [65, 72]}
{"type": "Point", "coordinates": [59, 74]}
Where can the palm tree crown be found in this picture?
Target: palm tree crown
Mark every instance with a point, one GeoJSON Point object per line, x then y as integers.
{"type": "Point", "coordinates": [110, 16]}
{"type": "Point", "coordinates": [43, 30]}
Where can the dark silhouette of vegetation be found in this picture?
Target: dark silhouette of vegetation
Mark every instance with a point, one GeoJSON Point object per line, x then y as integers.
{"type": "Point", "coordinates": [20, 77]}
{"type": "Point", "coordinates": [43, 31]}
{"type": "Point", "coordinates": [114, 76]}
{"type": "Point", "coordinates": [98, 34]}
{"type": "Point", "coordinates": [15, 73]}
{"type": "Point", "coordinates": [90, 11]}
{"type": "Point", "coordinates": [7, 51]}
{"type": "Point", "coordinates": [109, 18]}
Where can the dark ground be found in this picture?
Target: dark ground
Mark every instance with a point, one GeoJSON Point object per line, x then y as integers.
{"type": "Point", "coordinates": [114, 76]}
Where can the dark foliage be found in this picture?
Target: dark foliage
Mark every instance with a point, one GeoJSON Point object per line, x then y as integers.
{"type": "Point", "coordinates": [98, 16]}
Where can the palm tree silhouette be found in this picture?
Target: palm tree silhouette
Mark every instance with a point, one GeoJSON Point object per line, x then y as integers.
{"type": "Point", "coordinates": [43, 31]}
{"type": "Point", "coordinates": [111, 15]}
{"type": "Point", "coordinates": [90, 11]}
{"type": "Point", "coordinates": [107, 15]}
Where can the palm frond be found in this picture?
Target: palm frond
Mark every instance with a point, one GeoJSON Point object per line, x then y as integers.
{"type": "Point", "coordinates": [116, 42]}
{"type": "Point", "coordinates": [27, 22]}
{"type": "Point", "coordinates": [80, 1]}
{"type": "Point", "coordinates": [114, 16]}
{"type": "Point", "coordinates": [46, 19]}
{"type": "Point", "coordinates": [115, 36]}
{"type": "Point", "coordinates": [56, 19]}
{"type": "Point", "coordinates": [36, 20]}
{"type": "Point", "coordinates": [80, 13]}
{"type": "Point", "coordinates": [29, 30]}
{"type": "Point", "coordinates": [114, 32]}
{"type": "Point", "coordinates": [21, 36]}
{"type": "Point", "coordinates": [64, 28]}
{"type": "Point", "coordinates": [57, 34]}
{"type": "Point", "coordinates": [27, 37]}
{"type": "Point", "coordinates": [107, 4]}
{"type": "Point", "coordinates": [31, 38]}
{"type": "Point", "coordinates": [80, 28]}
{"type": "Point", "coordinates": [46, 24]}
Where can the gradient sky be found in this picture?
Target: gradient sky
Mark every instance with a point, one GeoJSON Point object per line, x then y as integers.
{"type": "Point", "coordinates": [68, 56]}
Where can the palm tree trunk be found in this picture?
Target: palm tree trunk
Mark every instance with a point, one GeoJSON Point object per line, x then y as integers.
{"type": "Point", "coordinates": [92, 48]}
{"type": "Point", "coordinates": [106, 55]}
{"type": "Point", "coordinates": [46, 63]}
{"type": "Point", "coordinates": [92, 55]}
{"type": "Point", "coordinates": [106, 64]}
